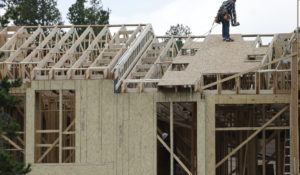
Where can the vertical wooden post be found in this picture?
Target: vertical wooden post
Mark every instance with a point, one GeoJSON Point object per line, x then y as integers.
{"type": "Point", "coordinates": [171, 139]}
{"type": "Point", "coordinates": [193, 133]}
{"type": "Point", "coordinates": [274, 82]}
{"type": "Point", "coordinates": [257, 82]}
{"type": "Point", "coordinates": [264, 143]}
{"type": "Point", "coordinates": [60, 126]}
{"type": "Point", "coordinates": [237, 85]}
{"type": "Point", "coordinates": [3, 39]}
{"type": "Point", "coordinates": [219, 85]}
{"type": "Point", "coordinates": [278, 153]}
{"type": "Point", "coordinates": [38, 125]}
{"type": "Point", "coordinates": [294, 115]}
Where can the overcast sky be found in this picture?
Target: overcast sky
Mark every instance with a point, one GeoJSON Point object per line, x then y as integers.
{"type": "Point", "coordinates": [255, 16]}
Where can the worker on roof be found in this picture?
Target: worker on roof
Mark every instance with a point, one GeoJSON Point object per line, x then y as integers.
{"type": "Point", "coordinates": [225, 14]}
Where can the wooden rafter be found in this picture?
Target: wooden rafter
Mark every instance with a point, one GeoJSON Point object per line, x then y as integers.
{"type": "Point", "coordinates": [100, 57]}
{"type": "Point", "coordinates": [124, 43]}
{"type": "Point", "coordinates": [170, 43]}
{"type": "Point", "coordinates": [41, 46]}
{"type": "Point", "coordinates": [12, 41]}
{"type": "Point", "coordinates": [15, 54]}
{"type": "Point", "coordinates": [52, 52]}
{"type": "Point", "coordinates": [86, 53]}
{"type": "Point", "coordinates": [70, 53]}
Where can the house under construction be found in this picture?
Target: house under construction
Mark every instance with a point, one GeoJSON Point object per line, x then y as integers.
{"type": "Point", "coordinates": [119, 100]}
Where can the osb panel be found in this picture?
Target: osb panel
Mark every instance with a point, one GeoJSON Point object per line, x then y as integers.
{"type": "Point", "coordinates": [108, 122]}
{"type": "Point", "coordinates": [93, 121]}
{"type": "Point", "coordinates": [201, 137]}
{"type": "Point", "coordinates": [210, 135]}
{"type": "Point", "coordinates": [214, 56]}
{"type": "Point", "coordinates": [122, 134]}
{"type": "Point", "coordinates": [30, 125]}
{"type": "Point", "coordinates": [146, 118]}
{"type": "Point", "coordinates": [83, 120]}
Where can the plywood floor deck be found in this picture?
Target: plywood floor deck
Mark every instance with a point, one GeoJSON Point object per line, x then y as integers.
{"type": "Point", "coordinates": [214, 56]}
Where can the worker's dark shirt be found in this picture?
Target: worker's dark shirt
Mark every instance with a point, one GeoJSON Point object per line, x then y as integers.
{"type": "Point", "coordinates": [229, 5]}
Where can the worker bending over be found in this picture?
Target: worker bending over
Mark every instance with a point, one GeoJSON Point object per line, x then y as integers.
{"type": "Point", "coordinates": [225, 14]}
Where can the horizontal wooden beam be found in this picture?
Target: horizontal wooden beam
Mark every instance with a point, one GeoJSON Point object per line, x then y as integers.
{"type": "Point", "coordinates": [252, 128]}
{"type": "Point", "coordinates": [185, 37]}
{"type": "Point", "coordinates": [253, 99]}
{"type": "Point", "coordinates": [14, 28]}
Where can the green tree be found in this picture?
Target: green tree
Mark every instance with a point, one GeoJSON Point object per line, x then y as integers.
{"type": "Point", "coordinates": [179, 30]}
{"type": "Point", "coordinates": [32, 12]}
{"type": "Point", "coordinates": [94, 15]}
{"type": "Point", "coordinates": [7, 126]}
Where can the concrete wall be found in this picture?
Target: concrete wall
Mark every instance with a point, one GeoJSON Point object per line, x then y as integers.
{"type": "Point", "coordinates": [115, 133]}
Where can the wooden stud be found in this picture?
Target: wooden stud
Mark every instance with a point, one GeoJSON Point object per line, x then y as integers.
{"type": "Point", "coordinates": [264, 143]}
{"type": "Point", "coordinates": [60, 126]}
{"type": "Point", "coordinates": [171, 139]}
{"type": "Point", "coordinates": [275, 82]}
{"type": "Point", "coordinates": [257, 82]}
{"type": "Point", "coordinates": [219, 85]}
{"type": "Point", "coordinates": [237, 85]}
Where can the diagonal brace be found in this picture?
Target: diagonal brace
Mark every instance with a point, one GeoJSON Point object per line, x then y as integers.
{"type": "Point", "coordinates": [175, 157]}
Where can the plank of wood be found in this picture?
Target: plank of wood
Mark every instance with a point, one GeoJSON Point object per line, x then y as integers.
{"type": "Point", "coordinates": [251, 128]}
{"type": "Point", "coordinates": [12, 143]}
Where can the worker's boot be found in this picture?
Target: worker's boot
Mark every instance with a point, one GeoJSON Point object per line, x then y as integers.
{"type": "Point", "coordinates": [229, 40]}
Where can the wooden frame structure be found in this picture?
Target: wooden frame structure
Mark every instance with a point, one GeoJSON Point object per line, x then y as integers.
{"type": "Point", "coordinates": [91, 78]}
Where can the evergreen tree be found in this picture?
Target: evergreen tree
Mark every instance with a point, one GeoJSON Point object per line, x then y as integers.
{"type": "Point", "coordinates": [8, 127]}
{"type": "Point", "coordinates": [94, 15]}
{"type": "Point", "coordinates": [32, 12]}
{"type": "Point", "coordinates": [179, 30]}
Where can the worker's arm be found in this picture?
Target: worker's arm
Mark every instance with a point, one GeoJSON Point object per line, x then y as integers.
{"type": "Point", "coordinates": [233, 13]}
{"type": "Point", "coordinates": [230, 7]}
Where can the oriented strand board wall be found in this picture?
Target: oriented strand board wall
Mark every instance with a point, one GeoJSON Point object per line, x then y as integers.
{"type": "Point", "coordinates": [115, 133]}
